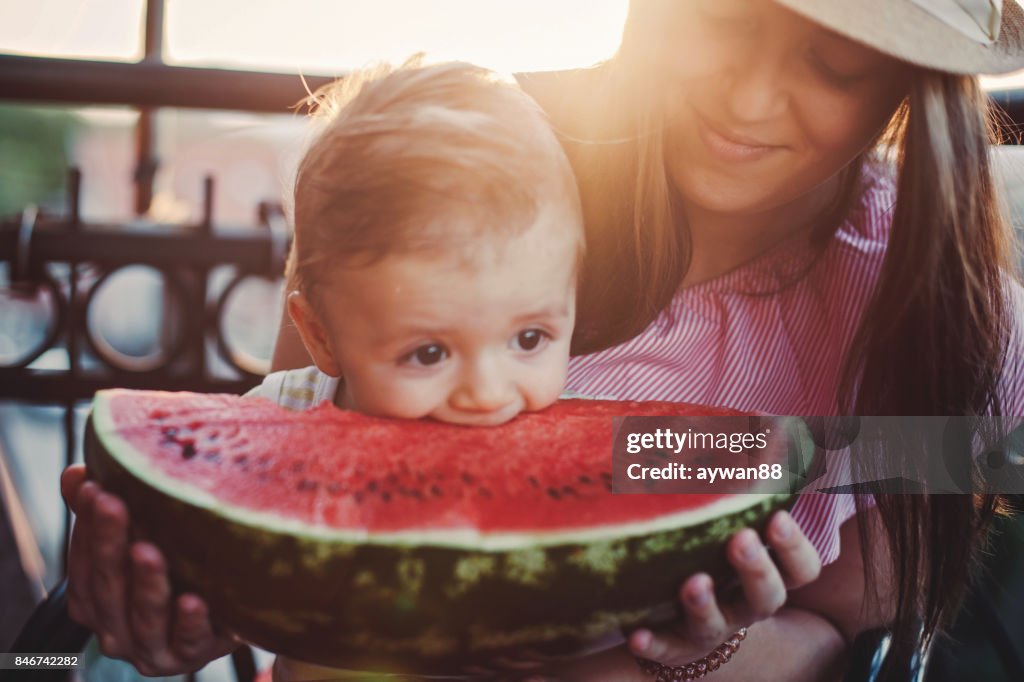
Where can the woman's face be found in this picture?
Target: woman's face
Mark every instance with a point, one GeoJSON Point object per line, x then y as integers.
{"type": "Point", "coordinates": [764, 106]}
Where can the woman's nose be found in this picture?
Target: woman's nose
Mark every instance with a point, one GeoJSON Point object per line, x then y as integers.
{"type": "Point", "coordinates": [756, 90]}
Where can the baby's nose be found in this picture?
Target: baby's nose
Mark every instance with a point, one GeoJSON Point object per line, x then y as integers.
{"type": "Point", "coordinates": [484, 388]}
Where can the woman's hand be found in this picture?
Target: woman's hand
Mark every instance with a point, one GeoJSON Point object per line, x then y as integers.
{"type": "Point", "coordinates": [122, 593]}
{"type": "Point", "coordinates": [764, 585]}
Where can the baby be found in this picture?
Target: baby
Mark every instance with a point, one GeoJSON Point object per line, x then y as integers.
{"type": "Point", "coordinates": [437, 236]}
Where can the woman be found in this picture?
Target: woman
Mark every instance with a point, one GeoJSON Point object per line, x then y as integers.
{"type": "Point", "coordinates": [745, 249]}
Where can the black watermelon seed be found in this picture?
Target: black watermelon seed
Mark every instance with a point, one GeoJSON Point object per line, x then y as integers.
{"type": "Point", "coordinates": [554, 494]}
{"type": "Point", "coordinates": [584, 479]}
{"type": "Point", "coordinates": [607, 477]}
{"type": "Point", "coordinates": [533, 481]}
{"type": "Point", "coordinates": [386, 496]}
{"type": "Point", "coordinates": [416, 493]}
{"type": "Point", "coordinates": [485, 493]}
{"type": "Point", "coordinates": [188, 450]}
{"type": "Point", "coordinates": [372, 486]}
{"type": "Point", "coordinates": [240, 459]}
{"type": "Point", "coordinates": [306, 484]}
{"type": "Point", "coordinates": [467, 478]}
{"type": "Point", "coordinates": [435, 490]}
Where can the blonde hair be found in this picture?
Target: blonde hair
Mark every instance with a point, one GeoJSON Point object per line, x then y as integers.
{"type": "Point", "coordinates": [422, 157]}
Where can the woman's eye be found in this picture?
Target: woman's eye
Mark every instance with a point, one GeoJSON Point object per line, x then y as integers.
{"type": "Point", "coordinates": [530, 339]}
{"type": "Point", "coordinates": [829, 73]}
{"type": "Point", "coordinates": [728, 16]}
{"type": "Point", "coordinates": [427, 355]}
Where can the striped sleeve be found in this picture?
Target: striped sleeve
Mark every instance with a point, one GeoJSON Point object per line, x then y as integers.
{"type": "Point", "coordinates": [1011, 382]}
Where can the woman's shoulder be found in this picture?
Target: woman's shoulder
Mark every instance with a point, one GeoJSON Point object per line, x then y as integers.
{"type": "Point", "coordinates": [570, 97]}
{"type": "Point", "coordinates": [868, 224]}
{"type": "Point", "coordinates": [1011, 380]}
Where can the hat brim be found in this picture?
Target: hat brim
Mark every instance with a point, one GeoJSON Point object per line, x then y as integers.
{"type": "Point", "coordinates": [907, 31]}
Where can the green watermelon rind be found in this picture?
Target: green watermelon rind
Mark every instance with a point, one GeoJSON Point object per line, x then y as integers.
{"type": "Point", "coordinates": [392, 604]}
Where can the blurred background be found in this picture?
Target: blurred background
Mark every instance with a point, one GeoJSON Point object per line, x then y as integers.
{"type": "Point", "coordinates": [176, 115]}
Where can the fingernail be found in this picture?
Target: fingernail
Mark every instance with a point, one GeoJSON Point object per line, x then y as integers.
{"type": "Point", "coordinates": [700, 598]}
{"type": "Point", "coordinates": [749, 550]}
{"type": "Point", "coordinates": [642, 640]}
{"type": "Point", "coordinates": [784, 526]}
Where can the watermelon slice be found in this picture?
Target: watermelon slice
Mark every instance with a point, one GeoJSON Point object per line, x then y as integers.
{"type": "Point", "coordinates": [418, 547]}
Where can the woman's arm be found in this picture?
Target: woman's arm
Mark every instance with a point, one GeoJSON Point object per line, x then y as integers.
{"type": "Point", "coordinates": [841, 594]}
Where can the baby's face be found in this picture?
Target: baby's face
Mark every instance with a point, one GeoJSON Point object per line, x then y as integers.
{"type": "Point", "coordinates": [468, 338]}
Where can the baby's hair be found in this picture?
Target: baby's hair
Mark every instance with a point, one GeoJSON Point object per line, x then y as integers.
{"type": "Point", "coordinates": [423, 158]}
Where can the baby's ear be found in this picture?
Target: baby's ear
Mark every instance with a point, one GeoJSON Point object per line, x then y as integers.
{"type": "Point", "coordinates": [315, 335]}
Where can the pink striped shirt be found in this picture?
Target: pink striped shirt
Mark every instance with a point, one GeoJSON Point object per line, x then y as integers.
{"type": "Point", "coordinates": [769, 336]}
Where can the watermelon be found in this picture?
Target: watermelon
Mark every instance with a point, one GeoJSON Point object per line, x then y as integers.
{"type": "Point", "coordinates": [407, 546]}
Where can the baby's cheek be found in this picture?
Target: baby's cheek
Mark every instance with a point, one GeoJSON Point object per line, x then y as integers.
{"type": "Point", "coordinates": [545, 386]}
{"type": "Point", "coordinates": [392, 399]}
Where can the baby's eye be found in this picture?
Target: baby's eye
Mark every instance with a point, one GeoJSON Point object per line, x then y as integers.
{"type": "Point", "coordinates": [530, 339]}
{"type": "Point", "coordinates": [426, 355]}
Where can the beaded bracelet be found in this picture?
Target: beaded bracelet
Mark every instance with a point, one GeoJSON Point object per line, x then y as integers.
{"type": "Point", "coordinates": [694, 670]}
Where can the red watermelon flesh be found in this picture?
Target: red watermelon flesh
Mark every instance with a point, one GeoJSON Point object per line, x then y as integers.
{"type": "Point", "coordinates": [544, 471]}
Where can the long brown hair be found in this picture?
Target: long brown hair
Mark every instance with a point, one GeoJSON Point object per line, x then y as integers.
{"type": "Point", "coordinates": [933, 338]}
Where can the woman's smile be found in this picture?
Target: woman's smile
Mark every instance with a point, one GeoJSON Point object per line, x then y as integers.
{"type": "Point", "coordinates": [730, 145]}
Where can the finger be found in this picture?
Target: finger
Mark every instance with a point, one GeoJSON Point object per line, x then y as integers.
{"type": "Point", "coordinates": [763, 589]}
{"type": "Point", "coordinates": [79, 585]}
{"type": "Point", "coordinates": [706, 625]}
{"type": "Point", "coordinates": [660, 647]}
{"type": "Point", "coordinates": [150, 613]}
{"type": "Point", "coordinates": [71, 480]}
{"type": "Point", "coordinates": [797, 559]}
{"type": "Point", "coordinates": [192, 636]}
{"type": "Point", "coordinates": [110, 529]}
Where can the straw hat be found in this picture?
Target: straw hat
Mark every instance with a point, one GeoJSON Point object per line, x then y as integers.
{"type": "Point", "coordinates": [958, 36]}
